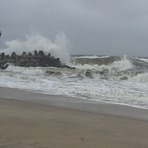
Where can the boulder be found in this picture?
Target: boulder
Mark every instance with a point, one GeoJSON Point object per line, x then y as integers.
{"type": "Point", "coordinates": [88, 74]}
{"type": "Point", "coordinates": [3, 67]}
{"type": "Point", "coordinates": [29, 59]}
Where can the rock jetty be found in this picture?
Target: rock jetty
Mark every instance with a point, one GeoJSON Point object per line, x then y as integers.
{"type": "Point", "coordinates": [36, 59]}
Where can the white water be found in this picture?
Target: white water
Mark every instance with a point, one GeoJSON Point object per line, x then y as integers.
{"type": "Point", "coordinates": [58, 48]}
{"type": "Point", "coordinates": [123, 82]}
{"type": "Point", "coordinates": [111, 87]}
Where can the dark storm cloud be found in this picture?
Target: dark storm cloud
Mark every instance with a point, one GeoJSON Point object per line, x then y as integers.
{"type": "Point", "coordinates": [111, 27]}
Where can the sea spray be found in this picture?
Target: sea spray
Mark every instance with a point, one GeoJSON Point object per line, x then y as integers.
{"type": "Point", "coordinates": [58, 48]}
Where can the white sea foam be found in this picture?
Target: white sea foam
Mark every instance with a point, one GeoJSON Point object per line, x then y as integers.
{"type": "Point", "coordinates": [144, 59]}
{"type": "Point", "coordinates": [108, 87]}
{"type": "Point", "coordinates": [121, 65]}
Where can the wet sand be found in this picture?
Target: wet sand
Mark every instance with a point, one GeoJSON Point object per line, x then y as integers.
{"type": "Point", "coordinates": [25, 124]}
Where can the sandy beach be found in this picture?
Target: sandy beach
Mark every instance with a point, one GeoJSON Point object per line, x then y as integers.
{"type": "Point", "coordinates": [28, 120]}
{"type": "Point", "coordinates": [26, 124]}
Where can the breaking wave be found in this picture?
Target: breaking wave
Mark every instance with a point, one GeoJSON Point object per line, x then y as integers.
{"type": "Point", "coordinates": [95, 60]}
{"type": "Point", "coordinates": [111, 67]}
{"type": "Point", "coordinates": [112, 79]}
{"type": "Point", "coordinates": [58, 48]}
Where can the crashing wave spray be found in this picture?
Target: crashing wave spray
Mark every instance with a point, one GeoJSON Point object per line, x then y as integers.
{"type": "Point", "coordinates": [58, 48]}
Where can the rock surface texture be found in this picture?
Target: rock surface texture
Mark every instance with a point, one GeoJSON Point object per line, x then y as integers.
{"type": "Point", "coordinates": [31, 60]}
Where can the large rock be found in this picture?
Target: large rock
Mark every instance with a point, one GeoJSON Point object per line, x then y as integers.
{"type": "Point", "coordinates": [3, 67]}
{"type": "Point", "coordinates": [34, 60]}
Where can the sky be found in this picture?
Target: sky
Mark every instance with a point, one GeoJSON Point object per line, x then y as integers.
{"type": "Point", "coordinates": [94, 27]}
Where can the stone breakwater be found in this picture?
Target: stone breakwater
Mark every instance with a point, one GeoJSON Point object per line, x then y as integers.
{"type": "Point", "coordinates": [38, 58]}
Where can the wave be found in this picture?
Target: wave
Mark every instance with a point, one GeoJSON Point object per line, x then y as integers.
{"type": "Point", "coordinates": [122, 81]}
{"type": "Point", "coordinates": [119, 68]}
{"type": "Point", "coordinates": [57, 47]}
{"type": "Point", "coordinates": [139, 63]}
{"type": "Point", "coordinates": [107, 60]}
{"type": "Point", "coordinates": [122, 67]}
{"type": "Point", "coordinates": [95, 60]}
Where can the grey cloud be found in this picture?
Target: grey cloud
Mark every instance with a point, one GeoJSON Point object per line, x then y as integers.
{"type": "Point", "coordinates": [110, 27]}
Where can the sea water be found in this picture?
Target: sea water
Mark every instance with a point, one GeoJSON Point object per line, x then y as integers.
{"type": "Point", "coordinates": [112, 79]}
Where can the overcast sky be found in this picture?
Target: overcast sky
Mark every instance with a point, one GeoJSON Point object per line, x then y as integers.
{"type": "Point", "coordinates": [108, 27]}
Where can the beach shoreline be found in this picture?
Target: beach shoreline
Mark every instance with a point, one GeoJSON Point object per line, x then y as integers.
{"type": "Point", "coordinates": [75, 103]}
{"type": "Point", "coordinates": [29, 123]}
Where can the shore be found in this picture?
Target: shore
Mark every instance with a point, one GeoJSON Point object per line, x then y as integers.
{"type": "Point", "coordinates": [31, 124]}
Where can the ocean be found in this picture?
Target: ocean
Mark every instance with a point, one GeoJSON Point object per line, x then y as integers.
{"type": "Point", "coordinates": [113, 79]}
